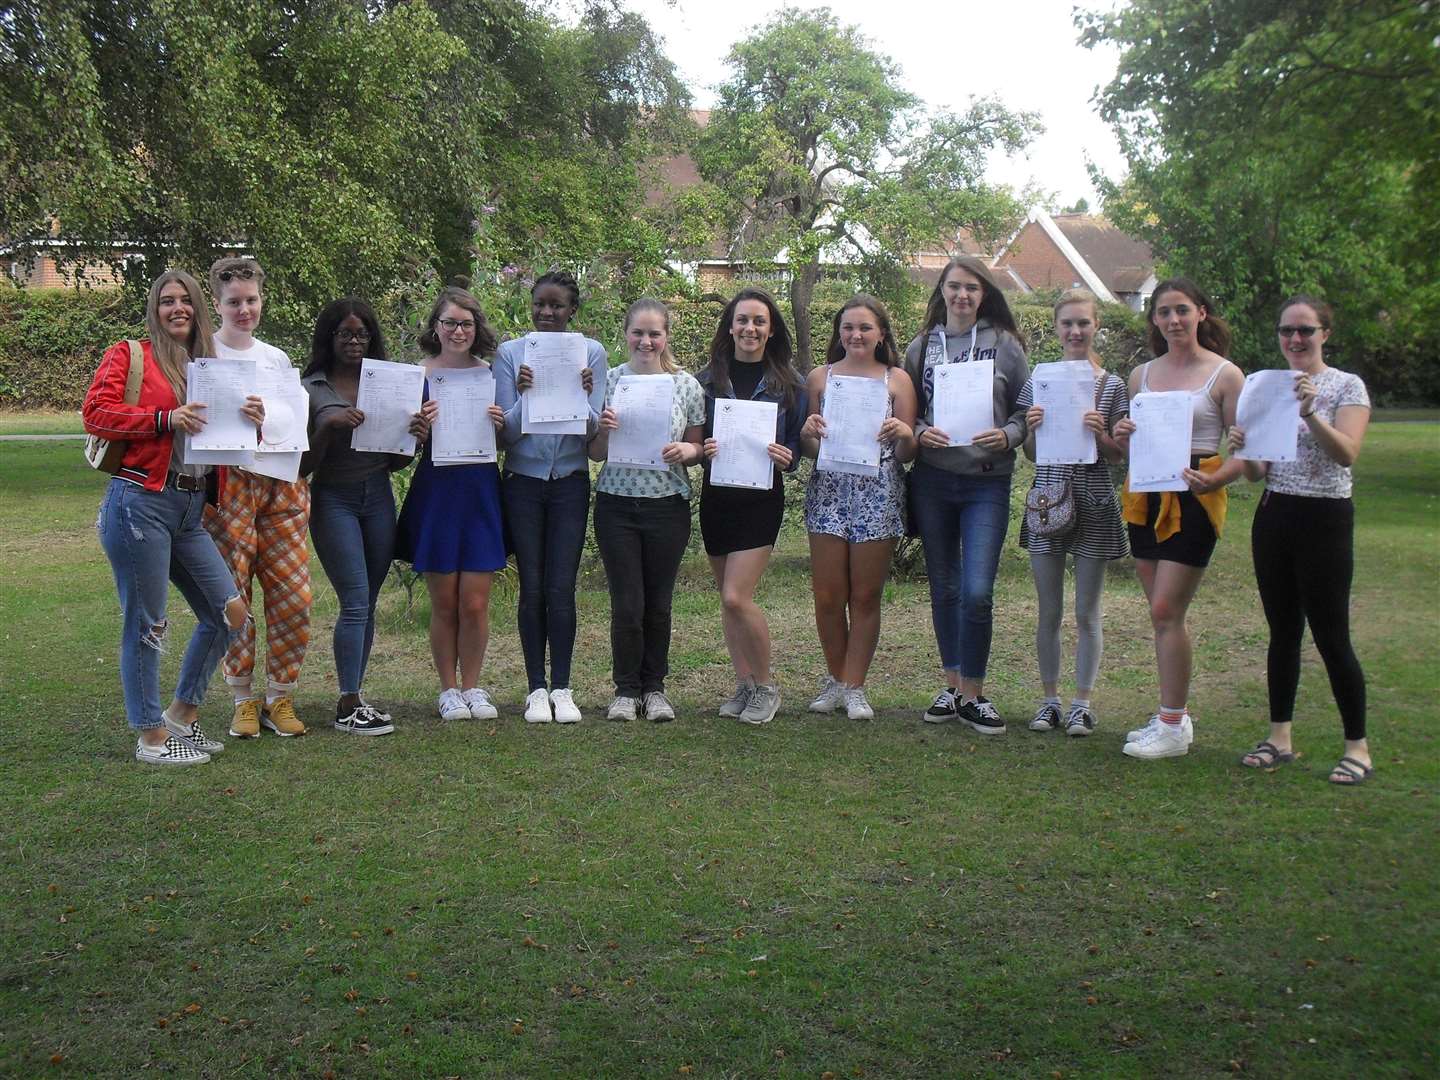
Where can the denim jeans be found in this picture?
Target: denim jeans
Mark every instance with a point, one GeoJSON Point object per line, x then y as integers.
{"type": "Point", "coordinates": [353, 527]}
{"type": "Point", "coordinates": [153, 538]}
{"type": "Point", "coordinates": [546, 521]}
{"type": "Point", "coordinates": [641, 543]}
{"type": "Point", "coordinates": [962, 522]}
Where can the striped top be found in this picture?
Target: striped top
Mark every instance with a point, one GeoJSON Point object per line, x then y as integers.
{"type": "Point", "coordinates": [1099, 533]}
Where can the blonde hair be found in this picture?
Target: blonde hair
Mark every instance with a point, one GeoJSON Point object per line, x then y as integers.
{"type": "Point", "coordinates": [222, 270]}
{"type": "Point", "coordinates": [647, 303]}
{"type": "Point", "coordinates": [170, 355]}
{"type": "Point", "coordinates": [1082, 296]}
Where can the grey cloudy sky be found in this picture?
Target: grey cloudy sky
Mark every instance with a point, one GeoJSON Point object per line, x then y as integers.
{"type": "Point", "coordinates": [1024, 51]}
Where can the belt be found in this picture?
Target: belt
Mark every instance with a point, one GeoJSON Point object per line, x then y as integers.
{"type": "Point", "coordinates": [185, 482]}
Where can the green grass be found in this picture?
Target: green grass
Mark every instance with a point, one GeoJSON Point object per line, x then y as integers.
{"type": "Point", "coordinates": [40, 422]}
{"type": "Point", "coordinates": [704, 899]}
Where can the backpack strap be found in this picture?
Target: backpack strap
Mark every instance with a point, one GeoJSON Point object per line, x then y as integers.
{"type": "Point", "coordinates": [136, 375]}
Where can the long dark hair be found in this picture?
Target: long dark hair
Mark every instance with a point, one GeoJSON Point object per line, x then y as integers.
{"type": "Point", "coordinates": [780, 372]}
{"type": "Point", "coordinates": [887, 352]}
{"type": "Point", "coordinates": [993, 307]}
{"type": "Point", "coordinates": [1213, 333]}
{"type": "Point", "coordinates": [327, 323]}
{"type": "Point", "coordinates": [485, 340]}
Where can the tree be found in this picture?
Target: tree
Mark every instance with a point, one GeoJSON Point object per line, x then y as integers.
{"type": "Point", "coordinates": [818, 151]}
{"type": "Point", "coordinates": [1279, 145]}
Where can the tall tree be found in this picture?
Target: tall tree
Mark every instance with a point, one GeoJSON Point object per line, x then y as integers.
{"type": "Point", "coordinates": [819, 152]}
{"type": "Point", "coordinates": [1275, 145]}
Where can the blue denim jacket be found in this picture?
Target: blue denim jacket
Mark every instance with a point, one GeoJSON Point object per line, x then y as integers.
{"type": "Point", "coordinates": [545, 457]}
{"type": "Point", "coordinates": [788, 422]}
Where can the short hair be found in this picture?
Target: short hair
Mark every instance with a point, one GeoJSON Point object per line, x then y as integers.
{"type": "Point", "coordinates": [327, 324]}
{"type": "Point", "coordinates": [564, 279]}
{"type": "Point", "coordinates": [994, 308]}
{"type": "Point", "coordinates": [779, 350]}
{"type": "Point", "coordinates": [1323, 311]}
{"type": "Point", "coordinates": [649, 303]}
{"type": "Point", "coordinates": [886, 352]}
{"type": "Point", "coordinates": [485, 339]}
{"type": "Point", "coordinates": [222, 271]}
{"type": "Point", "coordinates": [1213, 333]}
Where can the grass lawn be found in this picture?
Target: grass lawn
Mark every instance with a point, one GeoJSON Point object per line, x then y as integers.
{"type": "Point", "coordinates": [816, 898]}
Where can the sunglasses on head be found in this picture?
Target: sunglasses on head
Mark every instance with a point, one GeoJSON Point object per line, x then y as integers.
{"type": "Point", "coordinates": [1306, 332]}
{"type": "Point", "coordinates": [246, 272]}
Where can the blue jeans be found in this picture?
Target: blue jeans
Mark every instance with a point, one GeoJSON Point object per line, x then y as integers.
{"type": "Point", "coordinates": [353, 527]}
{"type": "Point", "coordinates": [962, 522]}
{"type": "Point", "coordinates": [546, 522]}
{"type": "Point", "coordinates": [153, 538]}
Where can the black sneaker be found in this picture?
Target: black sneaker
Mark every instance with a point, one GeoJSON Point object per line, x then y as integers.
{"type": "Point", "coordinates": [364, 721]}
{"type": "Point", "coordinates": [982, 716]}
{"type": "Point", "coordinates": [1080, 722]}
{"type": "Point", "coordinates": [1047, 717]}
{"type": "Point", "coordinates": [943, 708]}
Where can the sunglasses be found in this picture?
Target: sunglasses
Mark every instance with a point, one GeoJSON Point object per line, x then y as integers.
{"type": "Point", "coordinates": [1306, 332]}
{"type": "Point", "coordinates": [246, 272]}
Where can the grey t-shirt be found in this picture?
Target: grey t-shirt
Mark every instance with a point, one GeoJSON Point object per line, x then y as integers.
{"type": "Point", "coordinates": [341, 464]}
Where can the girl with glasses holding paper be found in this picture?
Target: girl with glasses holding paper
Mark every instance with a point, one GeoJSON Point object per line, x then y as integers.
{"type": "Point", "coordinates": [450, 526]}
{"type": "Point", "coordinates": [352, 506]}
{"type": "Point", "coordinates": [749, 361]}
{"type": "Point", "coordinates": [1303, 541]}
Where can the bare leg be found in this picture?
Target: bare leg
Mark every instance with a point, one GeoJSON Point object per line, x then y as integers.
{"type": "Point", "coordinates": [747, 634]}
{"type": "Point", "coordinates": [830, 582]}
{"type": "Point", "coordinates": [869, 567]}
{"type": "Point", "coordinates": [444, 592]}
{"type": "Point", "coordinates": [1170, 587]}
{"type": "Point", "coordinates": [474, 625]}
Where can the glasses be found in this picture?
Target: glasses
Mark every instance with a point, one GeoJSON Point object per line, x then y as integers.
{"type": "Point", "coordinates": [1306, 332]}
{"type": "Point", "coordinates": [451, 325]}
{"type": "Point", "coordinates": [352, 335]}
{"type": "Point", "coordinates": [246, 272]}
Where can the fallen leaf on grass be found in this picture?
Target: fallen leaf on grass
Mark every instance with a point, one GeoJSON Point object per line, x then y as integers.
{"type": "Point", "coordinates": [191, 1009]}
{"type": "Point", "coordinates": [518, 1028]}
{"type": "Point", "coordinates": [531, 943]}
{"type": "Point", "coordinates": [351, 994]}
{"type": "Point", "coordinates": [1093, 950]}
{"type": "Point", "coordinates": [412, 975]}
{"type": "Point", "coordinates": [56, 1059]}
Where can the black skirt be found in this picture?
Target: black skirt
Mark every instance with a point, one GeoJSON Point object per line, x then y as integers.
{"type": "Point", "coordinates": [739, 519]}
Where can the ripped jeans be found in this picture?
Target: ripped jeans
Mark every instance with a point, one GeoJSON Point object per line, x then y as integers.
{"type": "Point", "coordinates": [153, 538]}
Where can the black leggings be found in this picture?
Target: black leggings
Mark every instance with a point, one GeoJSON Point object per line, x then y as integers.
{"type": "Point", "coordinates": [1304, 552]}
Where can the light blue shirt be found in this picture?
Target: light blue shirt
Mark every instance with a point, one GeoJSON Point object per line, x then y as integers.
{"type": "Point", "coordinates": [545, 457]}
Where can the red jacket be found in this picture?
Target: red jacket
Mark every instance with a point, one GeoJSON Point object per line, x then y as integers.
{"type": "Point", "coordinates": [145, 427]}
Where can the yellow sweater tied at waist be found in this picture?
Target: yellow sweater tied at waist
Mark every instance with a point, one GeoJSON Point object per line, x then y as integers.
{"type": "Point", "coordinates": [1134, 506]}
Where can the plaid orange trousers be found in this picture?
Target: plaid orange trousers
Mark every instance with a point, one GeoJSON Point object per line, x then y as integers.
{"type": "Point", "coordinates": [259, 527]}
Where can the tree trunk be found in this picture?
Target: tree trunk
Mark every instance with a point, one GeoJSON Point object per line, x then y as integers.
{"type": "Point", "coordinates": [802, 288]}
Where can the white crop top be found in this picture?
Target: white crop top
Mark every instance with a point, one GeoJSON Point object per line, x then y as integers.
{"type": "Point", "coordinates": [1207, 424]}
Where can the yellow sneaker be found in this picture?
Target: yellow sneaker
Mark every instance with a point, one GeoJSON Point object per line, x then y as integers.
{"type": "Point", "coordinates": [279, 717]}
{"type": "Point", "coordinates": [245, 724]}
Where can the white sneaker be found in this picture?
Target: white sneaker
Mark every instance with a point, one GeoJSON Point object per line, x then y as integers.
{"type": "Point", "coordinates": [1165, 740]}
{"type": "Point", "coordinates": [537, 707]}
{"type": "Point", "coordinates": [479, 704]}
{"type": "Point", "coordinates": [622, 708]}
{"type": "Point", "coordinates": [831, 696]}
{"type": "Point", "coordinates": [173, 751]}
{"type": "Point", "coordinates": [1140, 732]}
{"type": "Point", "coordinates": [764, 704]}
{"type": "Point", "coordinates": [658, 708]}
{"type": "Point", "coordinates": [451, 705]}
{"type": "Point", "coordinates": [566, 711]}
{"type": "Point", "coordinates": [856, 707]}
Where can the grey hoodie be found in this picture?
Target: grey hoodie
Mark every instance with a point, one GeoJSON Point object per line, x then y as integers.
{"type": "Point", "coordinates": [1011, 372]}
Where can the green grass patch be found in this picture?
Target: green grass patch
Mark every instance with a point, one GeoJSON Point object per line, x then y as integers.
{"type": "Point", "coordinates": [699, 898]}
{"type": "Point", "coordinates": [40, 422]}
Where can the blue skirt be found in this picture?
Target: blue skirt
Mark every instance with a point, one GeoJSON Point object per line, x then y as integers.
{"type": "Point", "coordinates": [451, 519]}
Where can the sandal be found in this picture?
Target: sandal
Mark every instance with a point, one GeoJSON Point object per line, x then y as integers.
{"type": "Point", "coordinates": [1354, 771]}
{"type": "Point", "coordinates": [1268, 756]}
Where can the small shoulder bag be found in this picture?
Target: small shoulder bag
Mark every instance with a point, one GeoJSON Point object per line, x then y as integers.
{"type": "Point", "coordinates": [1050, 508]}
{"type": "Point", "coordinates": [107, 454]}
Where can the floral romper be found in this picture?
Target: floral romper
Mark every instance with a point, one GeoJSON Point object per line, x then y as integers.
{"type": "Point", "coordinates": [859, 509]}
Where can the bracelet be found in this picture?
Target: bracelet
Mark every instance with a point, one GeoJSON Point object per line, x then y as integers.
{"type": "Point", "coordinates": [1307, 415]}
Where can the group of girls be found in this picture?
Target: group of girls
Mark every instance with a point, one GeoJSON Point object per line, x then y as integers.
{"type": "Point", "coordinates": [459, 523]}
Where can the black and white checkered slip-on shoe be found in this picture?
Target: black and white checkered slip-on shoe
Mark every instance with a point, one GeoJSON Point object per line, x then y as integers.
{"type": "Point", "coordinates": [173, 751]}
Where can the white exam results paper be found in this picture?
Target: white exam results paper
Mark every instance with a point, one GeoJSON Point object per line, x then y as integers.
{"type": "Point", "coordinates": [1066, 391]}
{"type": "Point", "coordinates": [555, 403]}
{"type": "Point", "coordinates": [964, 403]}
{"type": "Point", "coordinates": [743, 433]}
{"type": "Point", "coordinates": [283, 435]}
{"type": "Point", "coordinates": [222, 385]}
{"type": "Point", "coordinates": [1160, 446]}
{"type": "Point", "coordinates": [390, 394]}
{"type": "Point", "coordinates": [463, 433]}
{"type": "Point", "coordinates": [642, 405]}
{"type": "Point", "coordinates": [1269, 414]}
{"type": "Point", "coordinates": [853, 410]}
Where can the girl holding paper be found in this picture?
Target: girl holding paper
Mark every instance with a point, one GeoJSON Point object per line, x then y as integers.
{"type": "Point", "coordinates": [1173, 534]}
{"type": "Point", "coordinates": [1303, 540]}
{"type": "Point", "coordinates": [546, 491]}
{"type": "Point", "coordinates": [642, 520]}
{"type": "Point", "coordinates": [854, 520]}
{"type": "Point", "coordinates": [449, 527]}
{"type": "Point", "coordinates": [750, 359]}
{"type": "Point", "coordinates": [352, 508]}
{"type": "Point", "coordinates": [1099, 534]}
{"type": "Point", "coordinates": [150, 521]}
{"type": "Point", "coordinates": [960, 486]}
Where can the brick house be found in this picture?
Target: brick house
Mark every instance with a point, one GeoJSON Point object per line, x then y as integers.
{"type": "Point", "coordinates": [1084, 251]}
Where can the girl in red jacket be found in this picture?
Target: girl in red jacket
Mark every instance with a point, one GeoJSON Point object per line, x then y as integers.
{"type": "Point", "coordinates": [150, 523]}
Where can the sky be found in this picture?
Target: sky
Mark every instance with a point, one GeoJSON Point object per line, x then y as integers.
{"type": "Point", "coordinates": [1024, 51]}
